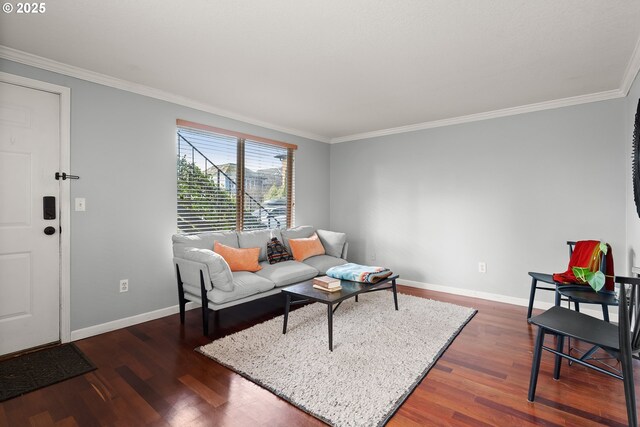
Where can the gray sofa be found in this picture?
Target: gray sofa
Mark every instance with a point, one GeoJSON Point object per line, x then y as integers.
{"type": "Point", "coordinates": [203, 276]}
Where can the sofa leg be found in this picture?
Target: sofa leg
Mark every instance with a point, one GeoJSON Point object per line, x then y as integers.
{"type": "Point", "coordinates": [182, 301]}
{"type": "Point", "coordinates": [205, 306]}
{"type": "Point", "coordinates": [205, 318]}
{"type": "Point", "coordinates": [206, 314]}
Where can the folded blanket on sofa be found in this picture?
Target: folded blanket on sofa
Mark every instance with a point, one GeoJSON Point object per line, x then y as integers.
{"type": "Point", "coordinates": [359, 273]}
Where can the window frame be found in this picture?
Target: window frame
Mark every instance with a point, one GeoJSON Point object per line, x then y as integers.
{"type": "Point", "coordinates": [241, 137]}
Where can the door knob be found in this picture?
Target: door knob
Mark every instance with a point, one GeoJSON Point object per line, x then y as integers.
{"type": "Point", "coordinates": [49, 231]}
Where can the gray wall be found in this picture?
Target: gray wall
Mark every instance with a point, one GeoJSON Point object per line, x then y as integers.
{"type": "Point", "coordinates": [633, 221]}
{"type": "Point", "coordinates": [123, 148]}
{"type": "Point", "coordinates": [429, 204]}
{"type": "Point", "coordinates": [510, 192]}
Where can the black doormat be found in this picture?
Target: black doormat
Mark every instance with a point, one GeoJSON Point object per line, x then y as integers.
{"type": "Point", "coordinates": [31, 371]}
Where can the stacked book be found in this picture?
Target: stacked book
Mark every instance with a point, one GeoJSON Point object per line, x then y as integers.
{"type": "Point", "coordinates": [327, 283]}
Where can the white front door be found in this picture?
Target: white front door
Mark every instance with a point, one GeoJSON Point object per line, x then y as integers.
{"type": "Point", "coordinates": [29, 258]}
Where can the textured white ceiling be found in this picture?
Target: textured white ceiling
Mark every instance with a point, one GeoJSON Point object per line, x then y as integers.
{"type": "Point", "coordinates": [336, 68]}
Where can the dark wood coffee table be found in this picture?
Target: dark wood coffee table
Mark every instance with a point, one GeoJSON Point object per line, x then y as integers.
{"type": "Point", "coordinates": [305, 292]}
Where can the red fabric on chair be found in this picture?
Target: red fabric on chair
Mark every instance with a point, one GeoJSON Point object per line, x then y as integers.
{"type": "Point", "coordinates": [581, 257]}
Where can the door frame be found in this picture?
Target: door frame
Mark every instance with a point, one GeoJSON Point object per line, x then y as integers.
{"type": "Point", "coordinates": [65, 196]}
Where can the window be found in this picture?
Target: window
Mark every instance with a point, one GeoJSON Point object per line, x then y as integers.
{"type": "Point", "coordinates": [229, 180]}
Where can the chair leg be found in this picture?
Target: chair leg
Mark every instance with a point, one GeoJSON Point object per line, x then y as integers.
{"type": "Point", "coordinates": [629, 389]}
{"type": "Point", "coordinates": [532, 295]}
{"type": "Point", "coordinates": [535, 365]}
{"type": "Point", "coordinates": [558, 363]}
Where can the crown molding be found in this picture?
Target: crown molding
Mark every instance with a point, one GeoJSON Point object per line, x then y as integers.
{"type": "Point", "coordinates": [632, 70]}
{"type": "Point", "coordinates": [69, 70]}
{"type": "Point", "coordinates": [547, 105]}
{"type": "Point", "coordinates": [105, 80]}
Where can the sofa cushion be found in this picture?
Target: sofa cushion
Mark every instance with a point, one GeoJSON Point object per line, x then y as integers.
{"type": "Point", "coordinates": [300, 232]}
{"type": "Point", "coordinates": [287, 272]}
{"type": "Point", "coordinates": [258, 239]}
{"type": "Point", "coordinates": [323, 262]}
{"type": "Point", "coordinates": [239, 259]}
{"type": "Point", "coordinates": [302, 249]}
{"type": "Point", "coordinates": [202, 241]}
{"type": "Point", "coordinates": [245, 284]}
{"type": "Point", "coordinates": [333, 242]}
{"type": "Point", "coordinates": [219, 271]}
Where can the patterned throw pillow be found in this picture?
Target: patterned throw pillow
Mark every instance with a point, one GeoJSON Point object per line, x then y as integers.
{"type": "Point", "coordinates": [276, 252]}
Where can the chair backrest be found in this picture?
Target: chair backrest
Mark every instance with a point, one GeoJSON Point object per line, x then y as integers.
{"type": "Point", "coordinates": [606, 262]}
{"type": "Point", "coordinates": [572, 245]}
{"type": "Point", "coordinates": [629, 314]}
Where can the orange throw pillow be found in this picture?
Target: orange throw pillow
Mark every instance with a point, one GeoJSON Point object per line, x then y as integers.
{"type": "Point", "coordinates": [239, 259]}
{"type": "Point", "coordinates": [302, 249]}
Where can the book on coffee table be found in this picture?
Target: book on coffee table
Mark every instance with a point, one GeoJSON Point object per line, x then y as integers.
{"type": "Point", "coordinates": [322, 288]}
{"type": "Point", "coordinates": [327, 282]}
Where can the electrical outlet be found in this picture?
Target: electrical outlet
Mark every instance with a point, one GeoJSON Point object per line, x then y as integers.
{"type": "Point", "coordinates": [482, 267]}
{"type": "Point", "coordinates": [124, 285]}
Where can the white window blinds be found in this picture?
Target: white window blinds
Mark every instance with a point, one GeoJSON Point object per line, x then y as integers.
{"type": "Point", "coordinates": [266, 185]}
{"type": "Point", "coordinates": [232, 181]}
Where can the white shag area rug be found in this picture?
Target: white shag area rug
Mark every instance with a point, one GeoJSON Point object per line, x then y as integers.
{"type": "Point", "coordinates": [379, 355]}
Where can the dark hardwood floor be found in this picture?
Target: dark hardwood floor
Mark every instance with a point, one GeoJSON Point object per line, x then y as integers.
{"type": "Point", "coordinates": [148, 374]}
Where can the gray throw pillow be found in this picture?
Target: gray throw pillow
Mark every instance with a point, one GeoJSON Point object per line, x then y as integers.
{"type": "Point", "coordinates": [258, 239]}
{"type": "Point", "coordinates": [333, 242]}
{"type": "Point", "coordinates": [203, 240]}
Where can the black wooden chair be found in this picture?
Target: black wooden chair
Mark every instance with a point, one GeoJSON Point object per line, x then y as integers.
{"type": "Point", "coordinates": [566, 292]}
{"type": "Point", "coordinates": [621, 341]}
{"type": "Point", "coordinates": [545, 278]}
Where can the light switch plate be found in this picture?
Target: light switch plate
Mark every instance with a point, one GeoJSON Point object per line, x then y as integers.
{"type": "Point", "coordinates": [80, 204]}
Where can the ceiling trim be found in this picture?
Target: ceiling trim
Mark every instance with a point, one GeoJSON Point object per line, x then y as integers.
{"type": "Point", "coordinates": [632, 70]}
{"type": "Point", "coordinates": [21, 57]}
{"type": "Point", "coordinates": [547, 105]}
{"type": "Point", "coordinates": [105, 80]}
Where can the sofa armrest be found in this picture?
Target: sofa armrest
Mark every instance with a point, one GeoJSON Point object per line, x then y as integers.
{"type": "Point", "coordinates": [213, 267]}
{"type": "Point", "coordinates": [190, 273]}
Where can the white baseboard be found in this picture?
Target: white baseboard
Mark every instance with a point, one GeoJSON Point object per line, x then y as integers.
{"type": "Point", "coordinates": [163, 312]}
{"type": "Point", "coordinates": [499, 298]}
{"type": "Point", "coordinates": [128, 321]}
